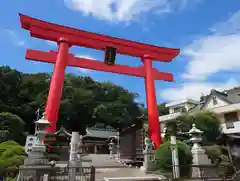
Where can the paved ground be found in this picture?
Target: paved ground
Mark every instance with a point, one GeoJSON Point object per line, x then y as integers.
{"type": "Point", "coordinates": [120, 172]}
{"type": "Point", "coordinates": [109, 168]}
{"type": "Point", "coordinates": [102, 161]}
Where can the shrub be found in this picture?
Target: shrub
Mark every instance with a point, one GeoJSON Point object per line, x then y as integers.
{"type": "Point", "coordinates": [218, 156]}
{"type": "Point", "coordinates": [163, 157]}
{"type": "Point", "coordinates": [11, 152]}
{"type": "Point", "coordinates": [213, 152]}
{"type": "Point", "coordinates": [9, 179]}
{"type": "Point", "coordinates": [12, 155]}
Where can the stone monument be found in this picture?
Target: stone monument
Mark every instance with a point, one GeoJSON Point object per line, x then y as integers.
{"type": "Point", "coordinates": [36, 163]}
{"type": "Point", "coordinates": [198, 153]}
{"type": "Point", "coordinates": [75, 161]}
{"type": "Point", "coordinates": [148, 154]}
{"type": "Point", "coordinates": [112, 149]}
{"type": "Point", "coordinates": [37, 152]}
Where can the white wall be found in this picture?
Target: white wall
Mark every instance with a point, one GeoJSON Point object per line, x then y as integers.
{"type": "Point", "coordinates": [236, 128]}
{"type": "Point", "coordinates": [211, 105]}
{"type": "Point", "coordinates": [187, 106]}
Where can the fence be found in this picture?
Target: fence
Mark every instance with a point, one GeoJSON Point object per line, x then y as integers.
{"type": "Point", "coordinates": [56, 174]}
{"type": "Point", "coordinates": [205, 173]}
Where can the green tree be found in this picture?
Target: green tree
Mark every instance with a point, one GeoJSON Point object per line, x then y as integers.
{"type": "Point", "coordinates": [14, 125]}
{"type": "Point", "coordinates": [162, 109]}
{"type": "Point", "coordinates": [163, 157]}
{"type": "Point", "coordinates": [85, 102]}
{"type": "Point", "coordinates": [204, 120]}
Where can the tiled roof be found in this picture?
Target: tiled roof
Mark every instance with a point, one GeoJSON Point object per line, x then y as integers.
{"type": "Point", "coordinates": [100, 133]}
{"type": "Point", "coordinates": [232, 96]}
{"type": "Point", "coordinates": [92, 132]}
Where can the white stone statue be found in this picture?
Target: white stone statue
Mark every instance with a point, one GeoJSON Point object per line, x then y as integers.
{"type": "Point", "coordinates": [148, 144]}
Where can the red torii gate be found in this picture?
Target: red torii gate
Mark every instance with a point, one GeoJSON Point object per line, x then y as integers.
{"type": "Point", "coordinates": [67, 37]}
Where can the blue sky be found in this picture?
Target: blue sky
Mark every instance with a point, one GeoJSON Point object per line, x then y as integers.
{"type": "Point", "coordinates": [207, 32]}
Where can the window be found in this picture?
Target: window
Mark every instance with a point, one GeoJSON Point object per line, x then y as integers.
{"type": "Point", "coordinates": [214, 100]}
{"type": "Point", "coordinates": [230, 118]}
{"type": "Point", "coordinates": [179, 109]}
{"type": "Point", "coordinates": [183, 109]}
{"type": "Point", "coordinates": [229, 125]}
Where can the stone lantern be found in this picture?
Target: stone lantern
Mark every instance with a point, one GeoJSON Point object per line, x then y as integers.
{"type": "Point", "coordinates": [37, 154]}
{"type": "Point", "coordinates": [111, 144]}
{"type": "Point", "coordinates": [198, 153]}
{"type": "Point", "coordinates": [40, 127]}
{"type": "Point", "coordinates": [196, 136]}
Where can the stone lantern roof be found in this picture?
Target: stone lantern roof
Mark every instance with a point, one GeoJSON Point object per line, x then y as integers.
{"type": "Point", "coordinates": [42, 120]}
{"type": "Point", "coordinates": [195, 130]}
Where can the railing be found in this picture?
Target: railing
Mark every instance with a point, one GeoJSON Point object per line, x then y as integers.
{"type": "Point", "coordinates": [204, 172]}
{"type": "Point", "coordinates": [169, 117]}
{"type": "Point", "coordinates": [56, 174]}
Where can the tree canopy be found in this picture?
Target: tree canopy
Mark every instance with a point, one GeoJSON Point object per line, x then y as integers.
{"type": "Point", "coordinates": [85, 102]}
{"type": "Point", "coordinates": [205, 120]}
{"type": "Point", "coordinates": [12, 155]}
{"type": "Point", "coordinates": [14, 126]}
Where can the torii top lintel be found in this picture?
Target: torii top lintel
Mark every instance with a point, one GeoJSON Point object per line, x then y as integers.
{"type": "Point", "coordinates": [49, 31]}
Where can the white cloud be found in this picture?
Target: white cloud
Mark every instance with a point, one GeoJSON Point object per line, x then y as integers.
{"type": "Point", "coordinates": [208, 55]}
{"type": "Point", "coordinates": [83, 70]}
{"type": "Point", "coordinates": [14, 38]}
{"type": "Point", "coordinates": [51, 43]}
{"type": "Point", "coordinates": [195, 89]}
{"type": "Point", "coordinates": [125, 10]}
{"type": "Point", "coordinates": [216, 52]}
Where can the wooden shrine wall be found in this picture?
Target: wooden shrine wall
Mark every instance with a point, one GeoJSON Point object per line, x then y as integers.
{"type": "Point", "coordinates": [132, 143]}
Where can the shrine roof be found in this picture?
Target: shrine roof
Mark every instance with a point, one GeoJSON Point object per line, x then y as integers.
{"type": "Point", "coordinates": [63, 131]}
{"type": "Point", "coordinates": [53, 32]}
{"type": "Point", "coordinates": [90, 132]}
{"type": "Point", "coordinates": [100, 133]}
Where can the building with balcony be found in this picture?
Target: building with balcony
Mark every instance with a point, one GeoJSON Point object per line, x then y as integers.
{"type": "Point", "coordinates": [226, 105]}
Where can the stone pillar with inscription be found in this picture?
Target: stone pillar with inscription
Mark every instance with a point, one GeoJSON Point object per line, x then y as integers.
{"type": "Point", "coordinates": [74, 157]}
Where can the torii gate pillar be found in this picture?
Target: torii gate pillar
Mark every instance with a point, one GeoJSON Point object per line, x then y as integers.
{"type": "Point", "coordinates": [151, 101]}
{"type": "Point", "coordinates": [56, 85]}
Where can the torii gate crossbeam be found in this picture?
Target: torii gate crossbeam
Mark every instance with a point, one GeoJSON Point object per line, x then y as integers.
{"type": "Point", "coordinates": [67, 37]}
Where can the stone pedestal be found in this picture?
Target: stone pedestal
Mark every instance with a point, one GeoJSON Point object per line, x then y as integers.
{"type": "Point", "coordinates": [148, 163]}
{"type": "Point", "coordinates": [199, 158]}
{"type": "Point", "coordinates": [37, 156]}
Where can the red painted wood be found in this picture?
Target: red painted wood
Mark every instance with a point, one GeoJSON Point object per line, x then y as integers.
{"type": "Point", "coordinates": [50, 31]}
{"type": "Point", "coordinates": [153, 121]}
{"type": "Point", "coordinates": [50, 57]}
{"type": "Point", "coordinates": [56, 85]}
